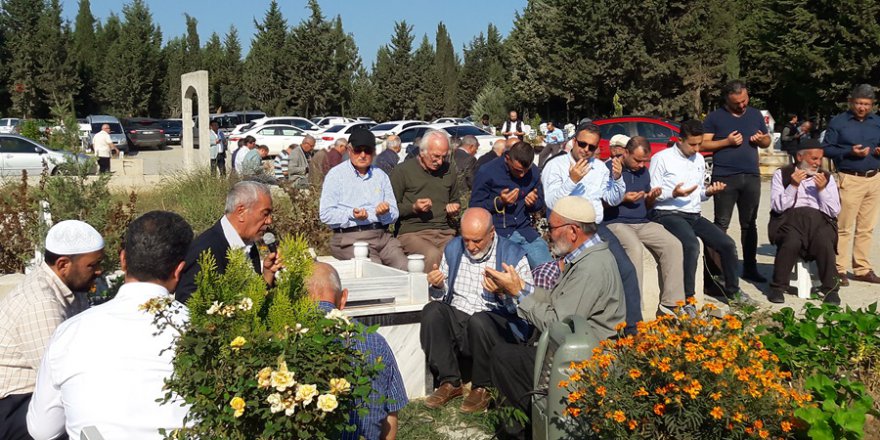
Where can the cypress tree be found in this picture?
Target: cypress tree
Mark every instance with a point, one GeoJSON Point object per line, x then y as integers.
{"type": "Point", "coordinates": [429, 96]}
{"type": "Point", "coordinates": [447, 65]}
{"type": "Point", "coordinates": [192, 47]}
{"type": "Point", "coordinates": [231, 92]}
{"type": "Point", "coordinates": [265, 76]}
{"type": "Point", "coordinates": [20, 18]}
{"type": "Point", "coordinates": [57, 78]}
{"type": "Point", "coordinates": [84, 51]}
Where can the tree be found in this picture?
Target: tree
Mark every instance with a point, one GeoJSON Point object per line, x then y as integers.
{"type": "Point", "coordinates": [20, 18]}
{"type": "Point", "coordinates": [429, 100]}
{"type": "Point", "coordinates": [57, 78]}
{"type": "Point", "coordinates": [397, 89]}
{"type": "Point", "coordinates": [265, 69]}
{"type": "Point", "coordinates": [84, 51]}
{"type": "Point", "coordinates": [174, 57]}
{"type": "Point", "coordinates": [192, 46]}
{"type": "Point", "coordinates": [312, 44]}
{"type": "Point", "coordinates": [231, 94]}
{"type": "Point", "coordinates": [346, 64]}
{"type": "Point", "coordinates": [447, 65]}
{"type": "Point", "coordinates": [363, 94]}
{"type": "Point", "coordinates": [212, 61]}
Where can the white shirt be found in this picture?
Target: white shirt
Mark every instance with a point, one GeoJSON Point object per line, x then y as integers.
{"type": "Point", "coordinates": [105, 368]}
{"type": "Point", "coordinates": [596, 186]}
{"type": "Point", "coordinates": [232, 237]}
{"type": "Point", "coordinates": [215, 144]}
{"type": "Point", "coordinates": [102, 144]}
{"type": "Point", "coordinates": [669, 168]}
{"type": "Point", "coordinates": [239, 158]}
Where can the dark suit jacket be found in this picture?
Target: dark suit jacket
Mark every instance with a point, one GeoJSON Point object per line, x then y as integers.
{"type": "Point", "coordinates": [466, 165]}
{"type": "Point", "coordinates": [212, 240]}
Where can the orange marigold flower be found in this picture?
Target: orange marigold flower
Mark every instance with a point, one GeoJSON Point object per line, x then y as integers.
{"type": "Point", "coordinates": [573, 411]}
{"type": "Point", "coordinates": [563, 384]}
{"type": "Point", "coordinates": [678, 375]}
{"type": "Point", "coordinates": [763, 433]}
{"type": "Point", "coordinates": [738, 417]}
{"type": "Point", "coordinates": [759, 424]}
{"type": "Point", "coordinates": [619, 416]}
{"type": "Point", "coordinates": [642, 392]}
{"type": "Point", "coordinates": [620, 326]}
{"type": "Point", "coordinates": [633, 425]}
{"type": "Point", "coordinates": [635, 373]}
{"type": "Point", "coordinates": [659, 409]}
{"type": "Point", "coordinates": [785, 425]}
{"type": "Point", "coordinates": [575, 376]}
{"type": "Point", "coordinates": [717, 413]}
{"type": "Point", "coordinates": [601, 391]}
{"type": "Point", "coordinates": [692, 300]}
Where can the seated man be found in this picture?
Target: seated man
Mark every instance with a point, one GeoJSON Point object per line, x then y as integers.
{"type": "Point", "coordinates": [389, 395]}
{"type": "Point", "coordinates": [629, 222]}
{"type": "Point", "coordinates": [466, 318]}
{"type": "Point", "coordinates": [388, 159]}
{"type": "Point", "coordinates": [590, 287]}
{"type": "Point", "coordinates": [511, 189]}
{"type": "Point", "coordinates": [498, 149]}
{"type": "Point", "coordinates": [427, 194]}
{"type": "Point", "coordinates": [679, 171]}
{"type": "Point", "coordinates": [106, 367]}
{"type": "Point", "coordinates": [803, 221]}
{"type": "Point", "coordinates": [465, 160]}
{"type": "Point", "coordinates": [357, 202]}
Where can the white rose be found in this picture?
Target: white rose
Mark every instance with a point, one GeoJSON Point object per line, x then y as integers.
{"type": "Point", "coordinates": [327, 402]}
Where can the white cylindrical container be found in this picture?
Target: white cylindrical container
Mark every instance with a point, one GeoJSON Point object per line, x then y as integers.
{"type": "Point", "coordinates": [415, 263]}
{"type": "Point", "coordinates": [361, 250]}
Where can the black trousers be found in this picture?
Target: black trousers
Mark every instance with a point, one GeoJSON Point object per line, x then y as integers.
{"type": "Point", "coordinates": [103, 164]}
{"type": "Point", "coordinates": [221, 163]}
{"type": "Point", "coordinates": [13, 417]}
{"type": "Point", "coordinates": [513, 370]}
{"type": "Point", "coordinates": [744, 192]}
{"type": "Point", "coordinates": [448, 334]}
{"type": "Point", "coordinates": [687, 228]}
{"type": "Point", "coordinates": [805, 234]}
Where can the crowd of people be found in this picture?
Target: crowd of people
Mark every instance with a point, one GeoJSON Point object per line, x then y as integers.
{"type": "Point", "coordinates": [497, 279]}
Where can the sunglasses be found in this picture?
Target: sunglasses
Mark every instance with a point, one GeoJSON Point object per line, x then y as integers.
{"type": "Point", "coordinates": [362, 149]}
{"type": "Point", "coordinates": [592, 147]}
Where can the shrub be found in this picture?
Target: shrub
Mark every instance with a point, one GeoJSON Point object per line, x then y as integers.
{"type": "Point", "coordinates": [197, 196]}
{"type": "Point", "coordinates": [302, 216]}
{"type": "Point", "coordinates": [18, 215]}
{"type": "Point", "coordinates": [681, 378]}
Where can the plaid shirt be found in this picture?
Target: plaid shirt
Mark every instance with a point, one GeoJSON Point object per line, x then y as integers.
{"type": "Point", "coordinates": [29, 315]}
{"type": "Point", "coordinates": [547, 275]}
{"type": "Point", "coordinates": [389, 394]}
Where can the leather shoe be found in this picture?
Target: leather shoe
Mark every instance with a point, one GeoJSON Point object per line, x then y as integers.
{"type": "Point", "coordinates": [441, 396]}
{"type": "Point", "coordinates": [776, 296]}
{"type": "Point", "coordinates": [476, 401]}
{"type": "Point", "coordinates": [832, 298]}
{"type": "Point", "coordinates": [844, 281]}
{"type": "Point", "coordinates": [754, 276]}
{"type": "Point", "coordinates": [869, 277]}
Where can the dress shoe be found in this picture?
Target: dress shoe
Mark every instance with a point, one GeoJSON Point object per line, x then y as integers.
{"type": "Point", "coordinates": [869, 277]}
{"type": "Point", "coordinates": [832, 298]}
{"type": "Point", "coordinates": [441, 396]}
{"type": "Point", "coordinates": [776, 296]}
{"type": "Point", "coordinates": [753, 275]}
{"type": "Point", "coordinates": [476, 401]}
{"type": "Point", "coordinates": [844, 281]}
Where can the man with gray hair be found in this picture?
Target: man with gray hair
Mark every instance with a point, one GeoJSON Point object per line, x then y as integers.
{"type": "Point", "coordinates": [465, 160]}
{"type": "Point", "coordinates": [296, 166]}
{"type": "Point", "coordinates": [853, 143]}
{"type": "Point", "coordinates": [335, 155]}
{"type": "Point", "coordinates": [388, 159]}
{"type": "Point", "coordinates": [427, 194]}
{"type": "Point", "coordinates": [247, 217]}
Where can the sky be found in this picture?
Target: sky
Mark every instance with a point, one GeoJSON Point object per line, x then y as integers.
{"type": "Point", "coordinates": [370, 21]}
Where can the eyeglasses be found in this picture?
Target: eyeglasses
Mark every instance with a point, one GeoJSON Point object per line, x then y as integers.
{"type": "Point", "coordinates": [362, 149]}
{"type": "Point", "coordinates": [551, 228]}
{"type": "Point", "coordinates": [592, 147]}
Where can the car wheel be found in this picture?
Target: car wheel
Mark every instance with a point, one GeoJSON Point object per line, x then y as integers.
{"type": "Point", "coordinates": [707, 177]}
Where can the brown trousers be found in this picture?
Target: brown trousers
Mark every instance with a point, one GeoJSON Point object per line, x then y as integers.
{"type": "Point", "coordinates": [429, 243]}
{"type": "Point", "coordinates": [859, 204]}
{"type": "Point", "coordinates": [384, 248]}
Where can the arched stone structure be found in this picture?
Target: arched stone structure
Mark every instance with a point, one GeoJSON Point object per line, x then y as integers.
{"type": "Point", "coordinates": [195, 83]}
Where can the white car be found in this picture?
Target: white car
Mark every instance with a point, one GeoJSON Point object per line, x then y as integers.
{"type": "Point", "coordinates": [329, 136]}
{"type": "Point", "coordinates": [9, 125]}
{"type": "Point", "coordinates": [275, 136]}
{"type": "Point", "coordinates": [18, 153]}
{"type": "Point", "coordinates": [452, 121]}
{"type": "Point", "coordinates": [393, 127]}
{"type": "Point", "coordinates": [296, 121]}
{"type": "Point", "coordinates": [329, 121]}
{"type": "Point", "coordinates": [485, 139]}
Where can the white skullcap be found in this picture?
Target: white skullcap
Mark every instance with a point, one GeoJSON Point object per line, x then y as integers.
{"type": "Point", "coordinates": [618, 140]}
{"type": "Point", "coordinates": [576, 208]}
{"type": "Point", "coordinates": [73, 237]}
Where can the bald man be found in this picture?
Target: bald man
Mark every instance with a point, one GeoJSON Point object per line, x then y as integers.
{"type": "Point", "coordinates": [103, 147]}
{"type": "Point", "coordinates": [498, 149]}
{"type": "Point", "coordinates": [389, 394]}
{"type": "Point", "coordinates": [465, 318]}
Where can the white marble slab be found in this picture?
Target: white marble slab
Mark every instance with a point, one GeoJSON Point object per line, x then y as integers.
{"type": "Point", "coordinates": [404, 342]}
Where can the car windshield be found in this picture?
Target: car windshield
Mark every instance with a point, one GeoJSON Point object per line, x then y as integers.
{"type": "Point", "coordinates": [385, 126]}
{"type": "Point", "coordinates": [114, 127]}
{"type": "Point", "coordinates": [334, 129]}
{"type": "Point", "coordinates": [465, 130]}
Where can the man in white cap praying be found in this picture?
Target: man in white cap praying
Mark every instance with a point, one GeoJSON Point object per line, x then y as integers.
{"type": "Point", "coordinates": [54, 291]}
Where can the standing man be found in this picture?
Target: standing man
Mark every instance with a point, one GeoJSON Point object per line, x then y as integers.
{"type": "Point", "coordinates": [510, 188]}
{"type": "Point", "coordinates": [554, 134]}
{"type": "Point", "coordinates": [54, 291]}
{"type": "Point", "coordinates": [790, 136]}
{"type": "Point", "coordinates": [512, 128]}
{"type": "Point", "coordinates": [103, 147]}
{"type": "Point", "coordinates": [388, 159]}
{"type": "Point", "coordinates": [465, 161]}
{"type": "Point", "coordinates": [298, 162]}
{"type": "Point", "coordinates": [247, 216]}
{"type": "Point", "coordinates": [335, 154]}
{"type": "Point", "coordinates": [427, 194]}
{"type": "Point", "coordinates": [853, 143]}
{"type": "Point", "coordinates": [218, 150]}
{"type": "Point", "coordinates": [358, 204]}
{"type": "Point", "coordinates": [734, 133]}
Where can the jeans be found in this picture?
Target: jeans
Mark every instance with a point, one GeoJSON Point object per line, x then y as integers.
{"type": "Point", "coordinates": [537, 250]}
{"type": "Point", "coordinates": [744, 191]}
{"type": "Point", "coordinates": [688, 227]}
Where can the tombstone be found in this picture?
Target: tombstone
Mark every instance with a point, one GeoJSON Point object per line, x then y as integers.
{"type": "Point", "coordinates": [195, 83]}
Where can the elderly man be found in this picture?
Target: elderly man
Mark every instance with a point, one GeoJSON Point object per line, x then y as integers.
{"type": "Point", "coordinates": [358, 204]}
{"type": "Point", "coordinates": [629, 222]}
{"type": "Point", "coordinates": [511, 189]}
{"type": "Point", "coordinates": [467, 317]}
{"type": "Point", "coordinates": [678, 171]}
{"type": "Point", "coordinates": [852, 141]}
{"type": "Point", "coordinates": [389, 395]}
{"type": "Point", "coordinates": [427, 194]}
{"type": "Point", "coordinates": [53, 292]}
{"type": "Point", "coordinates": [617, 145]}
{"type": "Point", "coordinates": [293, 163]}
{"type": "Point", "coordinates": [804, 206]}
{"type": "Point", "coordinates": [498, 149]}
{"type": "Point", "coordinates": [465, 160]}
{"type": "Point", "coordinates": [114, 384]}
{"type": "Point", "coordinates": [733, 133]}
{"type": "Point", "coordinates": [247, 216]}
{"type": "Point", "coordinates": [103, 146]}
{"type": "Point", "coordinates": [335, 155]}
{"type": "Point", "coordinates": [246, 145]}
{"type": "Point", "coordinates": [388, 159]}
{"type": "Point", "coordinates": [590, 287]}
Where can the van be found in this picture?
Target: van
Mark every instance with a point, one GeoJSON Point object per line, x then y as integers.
{"type": "Point", "coordinates": [117, 135]}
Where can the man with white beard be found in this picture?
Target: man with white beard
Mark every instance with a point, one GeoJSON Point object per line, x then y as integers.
{"type": "Point", "coordinates": [469, 315]}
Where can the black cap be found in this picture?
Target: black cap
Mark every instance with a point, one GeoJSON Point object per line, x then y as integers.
{"type": "Point", "coordinates": [362, 138]}
{"type": "Point", "coordinates": [808, 144]}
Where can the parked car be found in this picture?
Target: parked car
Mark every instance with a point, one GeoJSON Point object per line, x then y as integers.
{"type": "Point", "coordinates": [275, 136]}
{"type": "Point", "coordinates": [329, 136]}
{"type": "Point", "coordinates": [453, 130]}
{"type": "Point", "coordinates": [452, 121]}
{"type": "Point", "coordinates": [173, 130]}
{"type": "Point", "coordinates": [117, 135]}
{"type": "Point", "coordinates": [296, 121]}
{"type": "Point", "coordinates": [365, 119]}
{"type": "Point", "coordinates": [144, 133]}
{"type": "Point", "coordinates": [393, 127]}
{"type": "Point", "coordinates": [18, 153]}
{"type": "Point", "coordinates": [9, 125]}
{"type": "Point", "coordinates": [329, 121]}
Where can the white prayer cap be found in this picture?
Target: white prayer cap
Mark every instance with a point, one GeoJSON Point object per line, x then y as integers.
{"type": "Point", "coordinates": [618, 140]}
{"type": "Point", "coordinates": [576, 208]}
{"type": "Point", "coordinates": [73, 237]}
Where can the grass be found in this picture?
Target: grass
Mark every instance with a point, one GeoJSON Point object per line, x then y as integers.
{"type": "Point", "coordinates": [418, 422]}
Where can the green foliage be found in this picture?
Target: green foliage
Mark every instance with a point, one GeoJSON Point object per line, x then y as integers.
{"type": "Point", "coordinates": [265, 69]}
{"type": "Point", "coordinates": [491, 101]}
{"type": "Point", "coordinates": [841, 411]}
{"type": "Point", "coordinates": [17, 216]}
{"type": "Point", "coordinates": [196, 195]}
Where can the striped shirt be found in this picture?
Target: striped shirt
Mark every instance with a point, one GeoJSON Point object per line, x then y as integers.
{"type": "Point", "coordinates": [281, 163]}
{"type": "Point", "coordinates": [29, 315]}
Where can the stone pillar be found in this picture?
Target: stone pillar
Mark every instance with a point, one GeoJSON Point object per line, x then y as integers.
{"type": "Point", "coordinates": [195, 83]}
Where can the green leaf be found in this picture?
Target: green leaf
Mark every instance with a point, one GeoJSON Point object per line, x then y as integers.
{"type": "Point", "coordinates": [808, 331]}
{"type": "Point", "coordinates": [850, 421]}
{"type": "Point", "coordinates": [821, 430]}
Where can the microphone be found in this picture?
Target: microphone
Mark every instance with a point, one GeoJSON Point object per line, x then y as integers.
{"type": "Point", "coordinates": [270, 242]}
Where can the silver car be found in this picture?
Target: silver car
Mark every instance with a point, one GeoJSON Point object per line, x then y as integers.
{"type": "Point", "coordinates": [18, 153]}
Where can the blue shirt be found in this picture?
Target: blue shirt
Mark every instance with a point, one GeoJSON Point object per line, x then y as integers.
{"type": "Point", "coordinates": [494, 177]}
{"type": "Point", "coordinates": [389, 394]}
{"type": "Point", "coordinates": [554, 137]}
{"type": "Point", "coordinates": [843, 132]}
{"type": "Point", "coordinates": [345, 189]}
{"type": "Point", "coordinates": [741, 159]}
{"type": "Point", "coordinates": [634, 212]}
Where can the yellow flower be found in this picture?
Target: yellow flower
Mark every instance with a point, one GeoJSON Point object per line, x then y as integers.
{"type": "Point", "coordinates": [339, 386]}
{"type": "Point", "coordinates": [786, 426]}
{"type": "Point", "coordinates": [305, 393]}
{"type": "Point", "coordinates": [282, 379]}
{"type": "Point", "coordinates": [238, 404]}
{"type": "Point", "coordinates": [237, 343]}
{"type": "Point", "coordinates": [717, 413]}
{"type": "Point", "coordinates": [620, 326]}
{"type": "Point", "coordinates": [327, 402]}
{"type": "Point", "coordinates": [634, 373]}
{"type": "Point", "coordinates": [264, 377]}
{"type": "Point", "coordinates": [619, 416]}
